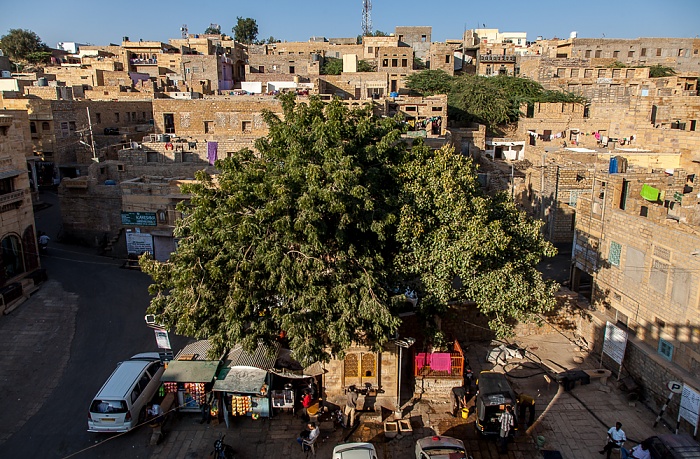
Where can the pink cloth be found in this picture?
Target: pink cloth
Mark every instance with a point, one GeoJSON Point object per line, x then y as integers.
{"type": "Point", "coordinates": [422, 360]}
{"type": "Point", "coordinates": [441, 361]}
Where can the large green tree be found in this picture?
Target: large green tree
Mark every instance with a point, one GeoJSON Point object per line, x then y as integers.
{"type": "Point", "coordinates": [245, 30]}
{"type": "Point", "coordinates": [20, 44]}
{"type": "Point", "coordinates": [317, 232]}
{"type": "Point", "coordinates": [461, 245]}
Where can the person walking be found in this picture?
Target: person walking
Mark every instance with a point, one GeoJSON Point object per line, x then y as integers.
{"type": "Point", "coordinates": [350, 407]}
{"type": "Point", "coordinates": [616, 437]}
{"type": "Point", "coordinates": [507, 423]}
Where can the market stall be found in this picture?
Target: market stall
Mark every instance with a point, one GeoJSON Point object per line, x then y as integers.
{"type": "Point", "coordinates": [243, 382]}
{"type": "Point", "coordinates": [190, 375]}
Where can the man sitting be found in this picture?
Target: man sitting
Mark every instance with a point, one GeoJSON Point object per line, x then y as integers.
{"type": "Point", "coordinates": [309, 435]}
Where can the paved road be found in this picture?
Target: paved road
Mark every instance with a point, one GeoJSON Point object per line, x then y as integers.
{"type": "Point", "coordinates": [61, 345]}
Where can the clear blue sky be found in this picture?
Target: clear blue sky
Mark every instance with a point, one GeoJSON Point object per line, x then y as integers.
{"type": "Point", "coordinates": [101, 21]}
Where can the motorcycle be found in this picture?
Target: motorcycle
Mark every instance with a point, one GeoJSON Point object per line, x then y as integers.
{"type": "Point", "coordinates": [222, 450]}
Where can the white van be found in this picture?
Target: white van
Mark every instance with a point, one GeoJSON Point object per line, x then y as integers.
{"type": "Point", "coordinates": [121, 403]}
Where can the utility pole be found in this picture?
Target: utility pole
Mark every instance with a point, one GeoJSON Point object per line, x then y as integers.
{"type": "Point", "coordinates": [92, 136]}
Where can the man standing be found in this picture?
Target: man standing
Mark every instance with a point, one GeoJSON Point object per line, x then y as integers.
{"type": "Point", "coordinates": [506, 425]}
{"type": "Point", "coordinates": [616, 437]}
{"type": "Point", "coordinates": [458, 396]}
{"type": "Point", "coordinates": [526, 402]}
{"type": "Point", "coordinates": [350, 407]}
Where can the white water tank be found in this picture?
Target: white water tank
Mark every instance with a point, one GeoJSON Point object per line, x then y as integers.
{"type": "Point", "coordinates": [573, 34]}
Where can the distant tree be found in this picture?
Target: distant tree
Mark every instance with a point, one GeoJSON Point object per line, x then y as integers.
{"type": "Point", "coordinates": [659, 71]}
{"type": "Point", "coordinates": [213, 29]}
{"type": "Point", "coordinates": [20, 43]}
{"type": "Point", "coordinates": [245, 30]}
{"type": "Point", "coordinates": [332, 66]}
{"type": "Point", "coordinates": [378, 33]}
{"type": "Point", "coordinates": [271, 40]}
{"type": "Point", "coordinates": [418, 63]}
{"type": "Point", "coordinates": [365, 66]}
{"type": "Point", "coordinates": [429, 82]}
{"type": "Point", "coordinates": [39, 57]}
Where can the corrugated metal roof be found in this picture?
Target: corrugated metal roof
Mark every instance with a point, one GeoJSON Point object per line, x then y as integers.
{"type": "Point", "coordinates": [198, 349]}
{"type": "Point", "coordinates": [263, 357]}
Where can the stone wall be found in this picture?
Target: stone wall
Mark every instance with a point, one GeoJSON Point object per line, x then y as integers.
{"type": "Point", "coordinates": [221, 116]}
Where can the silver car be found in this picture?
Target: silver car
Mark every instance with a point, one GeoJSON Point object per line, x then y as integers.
{"type": "Point", "coordinates": [437, 447]}
{"type": "Point", "coordinates": [355, 451]}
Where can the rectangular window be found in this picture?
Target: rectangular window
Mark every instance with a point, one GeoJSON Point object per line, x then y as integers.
{"type": "Point", "coordinates": [370, 49]}
{"type": "Point", "coordinates": [116, 117]}
{"type": "Point", "coordinates": [291, 69]}
{"type": "Point", "coordinates": [616, 73]}
{"type": "Point", "coordinates": [98, 118]}
{"type": "Point", "coordinates": [261, 69]}
{"type": "Point", "coordinates": [573, 197]}
{"type": "Point", "coordinates": [574, 73]}
{"type": "Point", "coordinates": [630, 54]}
{"type": "Point", "coordinates": [447, 59]}
{"type": "Point", "coordinates": [404, 62]}
{"type": "Point", "coordinates": [601, 73]}
{"type": "Point", "coordinates": [630, 73]}
{"type": "Point", "coordinates": [561, 72]}
{"type": "Point", "coordinates": [133, 116]}
{"type": "Point", "coordinates": [658, 52]}
{"type": "Point", "coordinates": [588, 73]}
{"type": "Point", "coordinates": [411, 109]}
{"type": "Point", "coordinates": [128, 117]}
{"type": "Point", "coordinates": [614, 254]}
{"type": "Point", "coordinates": [437, 109]}
{"type": "Point", "coordinates": [666, 349]}
{"type": "Point", "coordinates": [680, 53]}
{"type": "Point", "coordinates": [423, 38]}
{"type": "Point", "coordinates": [588, 53]}
{"type": "Point", "coordinates": [644, 52]}
{"type": "Point", "coordinates": [247, 126]}
{"type": "Point", "coordinates": [598, 53]}
{"type": "Point", "coordinates": [385, 62]}
{"type": "Point", "coordinates": [394, 62]}
{"type": "Point", "coordinates": [616, 54]}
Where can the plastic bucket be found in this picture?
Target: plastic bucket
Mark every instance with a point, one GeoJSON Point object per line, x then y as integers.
{"type": "Point", "coordinates": [465, 413]}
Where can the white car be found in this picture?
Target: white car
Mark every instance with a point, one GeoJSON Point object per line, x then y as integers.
{"type": "Point", "coordinates": [120, 405]}
{"type": "Point", "coordinates": [437, 447]}
{"type": "Point", "coordinates": [355, 451]}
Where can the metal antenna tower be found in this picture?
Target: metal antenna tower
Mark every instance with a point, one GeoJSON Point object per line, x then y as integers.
{"type": "Point", "coordinates": [184, 31]}
{"type": "Point", "coordinates": [366, 17]}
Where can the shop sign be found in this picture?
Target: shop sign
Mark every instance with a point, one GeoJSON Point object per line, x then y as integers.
{"type": "Point", "coordinates": [162, 339]}
{"type": "Point", "coordinates": [139, 219]}
{"type": "Point", "coordinates": [139, 243]}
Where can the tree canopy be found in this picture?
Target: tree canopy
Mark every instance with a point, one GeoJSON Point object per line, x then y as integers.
{"type": "Point", "coordinates": [21, 43]}
{"type": "Point", "coordinates": [491, 101]}
{"type": "Point", "coordinates": [318, 234]}
{"type": "Point", "coordinates": [245, 30]}
{"type": "Point", "coordinates": [213, 29]}
{"type": "Point", "coordinates": [334, 66]}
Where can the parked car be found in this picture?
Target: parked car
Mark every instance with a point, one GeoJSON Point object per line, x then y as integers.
{"type": "Point", "coordinates": [437, 447]}
{"type": "Point", "coordinates": [111, 131]}
{"type": "Point", "coordinates": [671, 446]}
{"type": "Point", "coordinates": [120, 405]}
{"type": "Point", "coordinates": [355, 451]}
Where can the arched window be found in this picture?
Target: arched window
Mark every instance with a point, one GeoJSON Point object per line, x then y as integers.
{"type": "Point", "coordinates": [12, 262]}
{"type": "Point", "coordinates": [32, 127]}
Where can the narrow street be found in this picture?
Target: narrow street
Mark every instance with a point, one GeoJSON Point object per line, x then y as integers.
{"type": "Point", "coordinates": [62, 344]}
